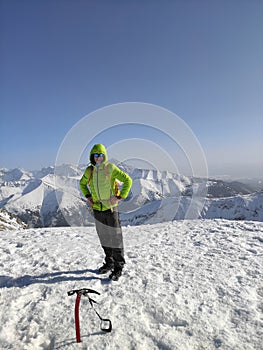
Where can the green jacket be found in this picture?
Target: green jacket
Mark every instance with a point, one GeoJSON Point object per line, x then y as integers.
{"type": "Point", "coordinates": [100, 182]}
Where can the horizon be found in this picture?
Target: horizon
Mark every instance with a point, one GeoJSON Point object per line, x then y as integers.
{"type": "Point", "coordinates": [225, 177]}
{"type": "Point", "coordinates": [201, 61]}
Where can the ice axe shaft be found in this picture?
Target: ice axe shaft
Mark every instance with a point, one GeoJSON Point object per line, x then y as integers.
{"type": "Point", "coordinates": [77, 324]}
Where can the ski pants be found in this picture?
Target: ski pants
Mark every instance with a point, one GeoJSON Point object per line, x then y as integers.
{"type": "Point", "coordinates": [110, 235]}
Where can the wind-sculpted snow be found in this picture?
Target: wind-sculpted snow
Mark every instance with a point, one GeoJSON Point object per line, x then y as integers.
{"type": "Point", "coordinates": [187, 285]}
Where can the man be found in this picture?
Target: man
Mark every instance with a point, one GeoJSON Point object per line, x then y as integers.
{"type": "Point", "coordinates": [99, 185]}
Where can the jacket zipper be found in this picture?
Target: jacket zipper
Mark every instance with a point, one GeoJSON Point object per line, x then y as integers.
{"type": "Point", "coordinates": [98, 189]}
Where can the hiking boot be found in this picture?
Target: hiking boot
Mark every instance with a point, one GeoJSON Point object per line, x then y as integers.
{"type": "Point", "coordinates": [105, 268]}
{"type": "Point", "coordinates": [116, 274]}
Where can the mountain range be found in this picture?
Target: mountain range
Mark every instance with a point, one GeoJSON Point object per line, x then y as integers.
{"type": "Point", "coordinates": [50, 197]}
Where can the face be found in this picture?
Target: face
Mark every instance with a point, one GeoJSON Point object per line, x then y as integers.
{"type": "Point", "coordinates": [98, 157]}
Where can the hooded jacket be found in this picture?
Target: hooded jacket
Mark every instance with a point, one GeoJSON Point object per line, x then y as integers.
{"type": "Point", "coordinates": [99, 182]}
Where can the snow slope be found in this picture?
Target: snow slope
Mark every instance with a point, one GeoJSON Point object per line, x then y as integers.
{"type": "Point", "coordinates": [9, 221]}
{"type": "Point", "coordinates": [187, 285]}
{"type": "Point", "coordinates": [246, 207]}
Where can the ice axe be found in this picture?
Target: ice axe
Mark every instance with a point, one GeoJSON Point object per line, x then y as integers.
{"type": "Point", "coordinates": [105, 324]}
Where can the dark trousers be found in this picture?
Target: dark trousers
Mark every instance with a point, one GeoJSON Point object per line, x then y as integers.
{"type": "Point", "coordinates": [110, 234]}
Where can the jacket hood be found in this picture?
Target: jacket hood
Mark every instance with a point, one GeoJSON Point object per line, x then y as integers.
{"type": "Point", "coordinates": [98, 148]}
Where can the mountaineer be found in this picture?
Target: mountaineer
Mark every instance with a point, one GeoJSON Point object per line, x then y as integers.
{"type": "Point", "coordinates": [100, 185]}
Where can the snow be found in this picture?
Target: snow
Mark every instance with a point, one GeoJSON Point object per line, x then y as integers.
{"type": "Point", "coordinates": [53, 198]}
{"type": "Point", "coordinates": [10, 222]}
{"type": "Point", "coordinates": [14, 175]}
{"type": "Point", "coordinates": [249, 207]}
{"type": "Point", "coordinates": [187, 285]}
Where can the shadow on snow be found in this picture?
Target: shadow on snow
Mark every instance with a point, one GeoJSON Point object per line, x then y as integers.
{"type": "Point", "coordinates": [48, 278]}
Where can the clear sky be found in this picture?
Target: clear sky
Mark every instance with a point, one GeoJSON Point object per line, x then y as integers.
{"type": "Point", "coordinates": [200, 59]}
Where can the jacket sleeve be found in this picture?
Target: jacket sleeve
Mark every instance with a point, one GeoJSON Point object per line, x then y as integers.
{"type": "Point", "coordinates": [120, 175]}
{"type": "Point", "coordinates": [83, 184]}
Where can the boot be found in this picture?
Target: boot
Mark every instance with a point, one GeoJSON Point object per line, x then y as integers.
{"type": "Point", "coordinates": [116, 274]}
{"type": "Point", "coordinates": [105, 268]}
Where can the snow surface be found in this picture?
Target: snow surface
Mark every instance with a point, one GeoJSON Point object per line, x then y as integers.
{"type": "Point", "coordinates": [187, 285]}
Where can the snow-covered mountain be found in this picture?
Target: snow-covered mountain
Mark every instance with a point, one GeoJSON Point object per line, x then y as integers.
{"type": "Point", "coordinates": [51, 197]}
{"type": "Point", "coordinates": [186, 285]}
{"type": "Point", "coordinates": [10, 221]}
{"type": "Point", "coordinates": [246, 207]}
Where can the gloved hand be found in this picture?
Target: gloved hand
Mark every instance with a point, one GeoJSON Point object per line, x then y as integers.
{"type": "Point", "coordinates": [89, 198]}
{"type": "Point", "coordinates": [115, 199]}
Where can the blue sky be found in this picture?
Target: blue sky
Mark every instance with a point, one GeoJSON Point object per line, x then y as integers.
{"type": "Point", "coordinates": [200, 59]}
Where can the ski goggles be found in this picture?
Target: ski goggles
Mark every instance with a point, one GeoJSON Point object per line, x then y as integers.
{"type": "Point", "coordinates": [97, 155]}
